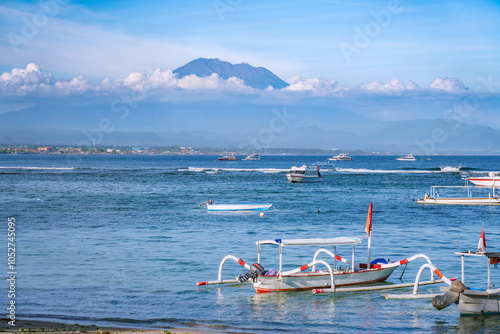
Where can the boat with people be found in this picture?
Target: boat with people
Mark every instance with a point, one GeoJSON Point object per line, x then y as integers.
{"type": "Point", "coordinates": [236, 207]}
{"type": "Point", "coordinates": [254, 156]}
{"type": "Point", "coordinates": [484, 179]}
{"type": "Point", "coordinates": [329, 278]}
{"type": "Point", "coordinates": [229, 157]}
{"type": "Point", "coordinates": [341, 157]}
{"type": "Point", "coordinates": [469, 300]}
{"type": "Point", "coordinates": [408, 157]}
{"type": "Point", "coordinates": [304, 174]}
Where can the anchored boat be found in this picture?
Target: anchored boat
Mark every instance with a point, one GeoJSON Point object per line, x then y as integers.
{"type": "Point", "coordinates": [492, 198]}
{"type": "Point", "coordinates": [229, 157]}
{"type": "Point", "coordinates": [327, 279]}
{"type": "Point", "coordinates": [408, 157]}
{"type": "Point", "coordinates": [255, 156]}
{"type": "Point", "coordinates": [341, 157]}
{"type": "Point", "coordinates": [469, 301]}
{"type": "Point", "coordinates": [237, 207]}
{"type": "Point", "coordinates": [304, 174]}
{"type": "Point", "coordinates": [484, 179]}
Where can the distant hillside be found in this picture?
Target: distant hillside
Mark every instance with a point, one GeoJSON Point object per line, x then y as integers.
{"type": "Point", "coordinates": [245, 126]}
{"type": "Point", "coordinates": [256, 77]}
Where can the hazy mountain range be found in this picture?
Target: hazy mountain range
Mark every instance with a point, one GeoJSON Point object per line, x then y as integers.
{"type": "Point", "coordinates": [245, 123]}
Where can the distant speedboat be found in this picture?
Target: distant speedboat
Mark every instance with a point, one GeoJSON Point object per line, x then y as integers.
{"type": "Point", "coordinates": [253, 157]}
{"type": "Point", "coordinates": [230, 157]}
{"type": "Point", "coordinates": [408, 157]}
{"type": "Point", "coordinates": [341, 157]}
{"type": "Point", "coordinates": [304, 174]}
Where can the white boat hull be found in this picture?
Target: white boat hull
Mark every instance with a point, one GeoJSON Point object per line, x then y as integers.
{"type": "Point", "coordinates": [239, 207]}
{"type": "Point", "coordinates": [303, 178]}
{"type": "Point", "coordinates": [318, 280]}
{"type": "Point", "coordinates": [485, 181]}
{"type": "Point", "coordinates": [478, 302]}
{"type": "Point", "coordinates": [340, 159]}
{"type": "Point", "coordinates": [461, 201]}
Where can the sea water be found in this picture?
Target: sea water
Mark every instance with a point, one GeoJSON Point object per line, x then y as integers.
{"type": "Point", "coordinates": [122, 241]}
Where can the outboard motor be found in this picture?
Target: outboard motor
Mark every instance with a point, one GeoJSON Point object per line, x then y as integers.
{"type": "Point", "coordinates": [255, 270]}
{"type": "Point", "coordinates": [450, 296]}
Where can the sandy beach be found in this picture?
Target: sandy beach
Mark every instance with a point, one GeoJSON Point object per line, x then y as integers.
{"type": "Point", "coordinates": [32, 326]}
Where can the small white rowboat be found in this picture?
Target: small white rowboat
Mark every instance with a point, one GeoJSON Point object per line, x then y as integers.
{"type": "Point", "coordinates": [239, 207]}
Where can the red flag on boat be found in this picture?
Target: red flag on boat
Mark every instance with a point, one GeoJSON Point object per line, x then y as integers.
{"type": "Point", "coordinates": [368, 227]}
{"type": "Point", "coordinates": [481, 246]}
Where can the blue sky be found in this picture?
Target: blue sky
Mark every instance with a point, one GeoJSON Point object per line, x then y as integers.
{"type": "Point", "coordinates": [420, 41]}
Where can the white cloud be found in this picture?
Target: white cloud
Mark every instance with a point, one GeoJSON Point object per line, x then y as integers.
{"type": "Point", "coordinates": [22, 81]}
{"type": "Point", "coordinates": [167, 79]}
{"type": "Point", "coordinates": [449, 85]}
{"type": "Point", "coordinates": [31, 80]}
{"type": "Point", "coordinates": [394, 85]}
{"type": "Point", "coordinates": [315, 85]}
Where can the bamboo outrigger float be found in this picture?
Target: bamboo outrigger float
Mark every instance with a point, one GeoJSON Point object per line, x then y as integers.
{"type": "Point", "coordinates": [319, 281]}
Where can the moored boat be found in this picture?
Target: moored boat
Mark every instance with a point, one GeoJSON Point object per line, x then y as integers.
{"type": "Point", "coordinates": [237, 207]}
{"type": "Point", "coordinates": [254, 156]}
{"type": "Point", "coordinates": [492, 198]}
{"type": "Point", "coordinates": [229, 157]}
{"type": "Point", "coordinates": [341, 157]}
{"type": "Point", "coordinates": [326, 279]}
{"type": "Point", "coordinates": [304, 174]}
{"type": "Point", "coordinates": [469, 301]}
{"type": "Point", "coordinates": [484, 179]}
{"type": "Point", "coordinates": [408, 157]}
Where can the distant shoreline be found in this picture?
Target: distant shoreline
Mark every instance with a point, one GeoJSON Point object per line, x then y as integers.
{"type": "Point", "coordinates": [176, 150]}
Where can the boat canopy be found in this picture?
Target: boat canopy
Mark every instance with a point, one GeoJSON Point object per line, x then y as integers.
{"type": "Point", "coordinates": [311, 242]}
{"type": "Point", "coordinates": [486, 254]}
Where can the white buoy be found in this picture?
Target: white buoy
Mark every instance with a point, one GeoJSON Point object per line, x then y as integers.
{"type": "Point", "coordinates": [262, 214]}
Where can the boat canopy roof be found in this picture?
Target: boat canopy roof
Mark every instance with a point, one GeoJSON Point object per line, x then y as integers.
{"type": "Point", "coordinates": [486, 254]}
{"type": "Point", "coordinates": [311, 242]}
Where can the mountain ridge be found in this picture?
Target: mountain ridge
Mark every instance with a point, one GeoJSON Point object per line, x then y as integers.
{"type": "Point", "coordinates": [256, 77]}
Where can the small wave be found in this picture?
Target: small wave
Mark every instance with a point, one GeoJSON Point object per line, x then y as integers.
{"type": "Point", "coordinates": [447, 169]}
{"type": "Point", "coordinates": [450, 169]}
{"type": "Point", "coordinates": [39, 168]}
{"type": "Point", "coordinates": [209, 170]}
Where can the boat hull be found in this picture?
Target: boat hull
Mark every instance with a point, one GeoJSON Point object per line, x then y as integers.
{"type": "Point", "coordinates": [318, 280]}
{"type": "Point", "coordinates": [238, 207]}
{"type": "Point", "coordinates": [340, 159]}
{"type": "Point", "coordinates": [461, 201]}
{"type": "Point", "coordinates": [303, 178]}
{"type": "Point", "coordinates": [478, 302]}
{"type": "Point", "coordinates": [485, 181]}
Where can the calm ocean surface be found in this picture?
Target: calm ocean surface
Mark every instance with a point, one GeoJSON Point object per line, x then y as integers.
{"type": "Point", "coordinates": [121, 240]}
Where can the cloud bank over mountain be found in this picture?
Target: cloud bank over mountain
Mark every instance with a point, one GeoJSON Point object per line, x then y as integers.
{"type": "Point", "coordinates": [33, 81]}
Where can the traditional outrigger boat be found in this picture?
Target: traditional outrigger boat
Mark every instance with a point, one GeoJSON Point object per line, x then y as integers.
{"type": "Point", "coordinates": [492, 198]}
{"type": "Point", "coordinates": [326, 280]}
{"type": "Point", "coordinates": [470, 301]}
